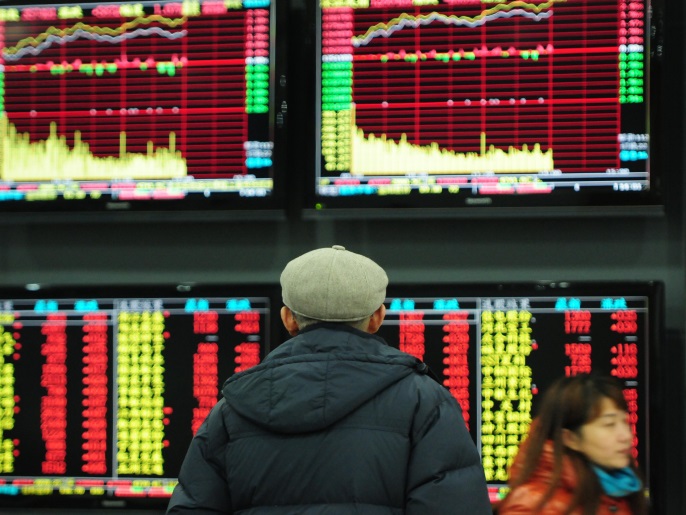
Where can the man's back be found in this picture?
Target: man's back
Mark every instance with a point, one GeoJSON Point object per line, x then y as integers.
{"type": "Point", "coordinates": [335, 421]}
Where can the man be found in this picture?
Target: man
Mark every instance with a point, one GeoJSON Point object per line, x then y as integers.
{"type": "Point", "coordinates": [333, 421]}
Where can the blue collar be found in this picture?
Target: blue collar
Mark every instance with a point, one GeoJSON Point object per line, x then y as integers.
{"type": "Point", "coordinates": [618, 482]}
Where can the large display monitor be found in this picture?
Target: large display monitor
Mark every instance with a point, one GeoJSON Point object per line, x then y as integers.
{"type": "Point", "coordinates": [497, 347]}
{"type": "Point", "coordinates": [101, 390]}
{"type": "Point", "coordinates": [141, 106]}
{"type": "Point", "coordinates": [486, 106]}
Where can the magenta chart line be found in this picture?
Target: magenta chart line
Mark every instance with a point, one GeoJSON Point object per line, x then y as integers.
{"type": "Point", "coordinates": [204, 78]}
{"type": "Point", "coordinates": [554, 74]}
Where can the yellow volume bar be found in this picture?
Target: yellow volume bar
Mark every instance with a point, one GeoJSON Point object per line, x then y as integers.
{"type": "Point", "coordinates": [53, 160]}
{"type": "Point", "coordinates": [372, 155]}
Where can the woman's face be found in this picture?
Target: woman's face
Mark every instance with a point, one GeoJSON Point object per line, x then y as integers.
{"type": "Point", "coordinates": [606, 440]}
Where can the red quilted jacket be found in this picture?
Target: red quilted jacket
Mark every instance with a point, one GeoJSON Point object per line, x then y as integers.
{"type": "Point", "coordinates": [524, 499]}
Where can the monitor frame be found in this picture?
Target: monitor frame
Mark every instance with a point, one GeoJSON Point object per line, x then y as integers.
{"type": "Point", "coordinates": [192, 204]}
{"type": "Point", "coordinates": [183, 291]}
{"type": "Point", "coordinates": [653, 386]}
{"type": "Point", "coordinates": [568, 203]}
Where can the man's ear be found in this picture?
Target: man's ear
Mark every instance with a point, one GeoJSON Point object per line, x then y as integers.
{"type": "Point", "coordinates": [289, 321]}
{"type": "Point", "coordinates": [571, 439]}
{"type": "Point", "coordinates": [376, 319]}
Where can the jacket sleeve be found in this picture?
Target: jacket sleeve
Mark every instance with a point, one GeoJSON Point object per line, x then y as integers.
{"type": "Point", "coordinates": [445, 475]}
{"type": "Point", "coordinates": [202, 487]}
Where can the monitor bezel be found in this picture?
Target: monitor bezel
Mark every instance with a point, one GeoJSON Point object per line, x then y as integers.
{"type": "Point", "coordinates": [654, 382]}
{"type": "Point", "coordinates": [563, 204]}
{"type": "Point", "coordinates": [216, 207]}
{"type": "Point", "coordinates": [182, 290]}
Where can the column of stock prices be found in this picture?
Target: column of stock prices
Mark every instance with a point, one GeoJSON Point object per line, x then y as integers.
{"type": "Point", "coordinates": [497, 355]}
{"type": "Point", "coordinates": [130, 102]}
{"type": "Point", "coordinates": [478, 102]}
{"type": "Point", "coordinates": [99, 398]}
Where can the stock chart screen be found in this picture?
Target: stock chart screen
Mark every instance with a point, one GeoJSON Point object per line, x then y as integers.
{"type": "Point", "coordinates": [136, 102]}
{"type": "Point", "coordinates": [483, 102]}
{"type": "Point", "coordinates": [100, 397]}
{"type": "Point", "coordinates": [498, 350]}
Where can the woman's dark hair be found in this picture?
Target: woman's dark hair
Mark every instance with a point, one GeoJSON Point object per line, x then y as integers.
{"type": "Point", "coordinates": [570, 403]}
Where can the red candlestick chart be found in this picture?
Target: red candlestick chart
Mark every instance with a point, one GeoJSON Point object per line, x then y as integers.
{"type": "Point", "coordinates": [139, 101]}
{"type": "Point", "coordinates": [499, 97]}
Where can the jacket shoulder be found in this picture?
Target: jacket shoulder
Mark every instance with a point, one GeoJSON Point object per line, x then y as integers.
{"type": "Point", "coordinates": [428, 390]}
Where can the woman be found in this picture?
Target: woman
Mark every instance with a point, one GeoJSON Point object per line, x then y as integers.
{"type": "Point", "coordinates": [577, 458]}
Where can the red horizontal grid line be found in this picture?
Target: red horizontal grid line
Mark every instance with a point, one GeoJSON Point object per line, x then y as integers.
{"type": "Point", "coordinates": [199, 39]}
{"type": "Point", "coordinates": [494, 131]}
{"type": "Point", "coordinates": [166, 100]}
{"type": "Point", "coordinates": [463, 99]}
{"type": "Point", "coordinates": [468, 126]}
{"type": "Point", "coordinates": [611, 51]}
{"type": "Point", "coordinates": [439, 128]}
{"type": "Point", "coordinates": [491, 83]}
{"type": "Point", "coordinates": [504, 92]}
{"type": "Point", "coordinates": [490, 88]}
{"type": "Point", "coordinates": [564, 32]}
{"type": "Point", "coordinates": [360, 26]}
{"type": "Point", "coordinates": [493, 135]}
{"type": "Point", "coordinates": [597, 38]}
{"type": "Point", "coordinates": [368, 18]}
{"type": "Point", "coordinates": [200, 135]}
{"type": "Point", "coordinates": [23, 68]}
{"type": "Point", "coordinates": [597, 25]}
{"type": "Point", "coordinates": [600, 41]}
{"type": "Point", "coordinates": [470, 79]}
{"type": "Point", "coordinates": [226, 52]}
{"type": "Point", "coordinates": [407, 105]}
{"type": "Point", "coordinates": [86, 114]}
{"type": "Point", "coordinates": [571, 71]}
{"type": "Point", "coordinates": [436, 66]}
{"type": "Point", "coordinates": [471, 69]}
{"type": "Point", "coordinates": [426, 135]}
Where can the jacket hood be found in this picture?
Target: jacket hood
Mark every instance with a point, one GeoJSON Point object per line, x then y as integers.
{"type": "Point", "coordinates": [317, 378]}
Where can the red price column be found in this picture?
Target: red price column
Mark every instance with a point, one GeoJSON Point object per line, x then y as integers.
{"type": "Point", "coordinates": [95, 392]}
{"type": "Point", "coordinates": [625, 366]}
{"type": "Point", "coordinates": [631, 396]}
{"type": "Point", "coordinates": [580, 357]}
{"type": "Point", "coordinates": [412, 334]}
{"type": "Point", "coordinates": [247, 354]}
{"type": "Point", "coordinates": [457, 366]}
{"type": "Point", "coordinates": [577, 322]}
{"type": "Point", "coordinates": [205, 373]}
{"type": "Point", "coordinates": [53, 410]}
{"type": "Point", "coordinates": [624, 361]}
{"type": "Point", "coordinates": [205, 381]}
{"type": "Point", "coordinates": [625, 355]}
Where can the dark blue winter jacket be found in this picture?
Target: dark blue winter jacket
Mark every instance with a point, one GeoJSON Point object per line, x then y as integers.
{"type": "Point", "coordinates": [333, 421]}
